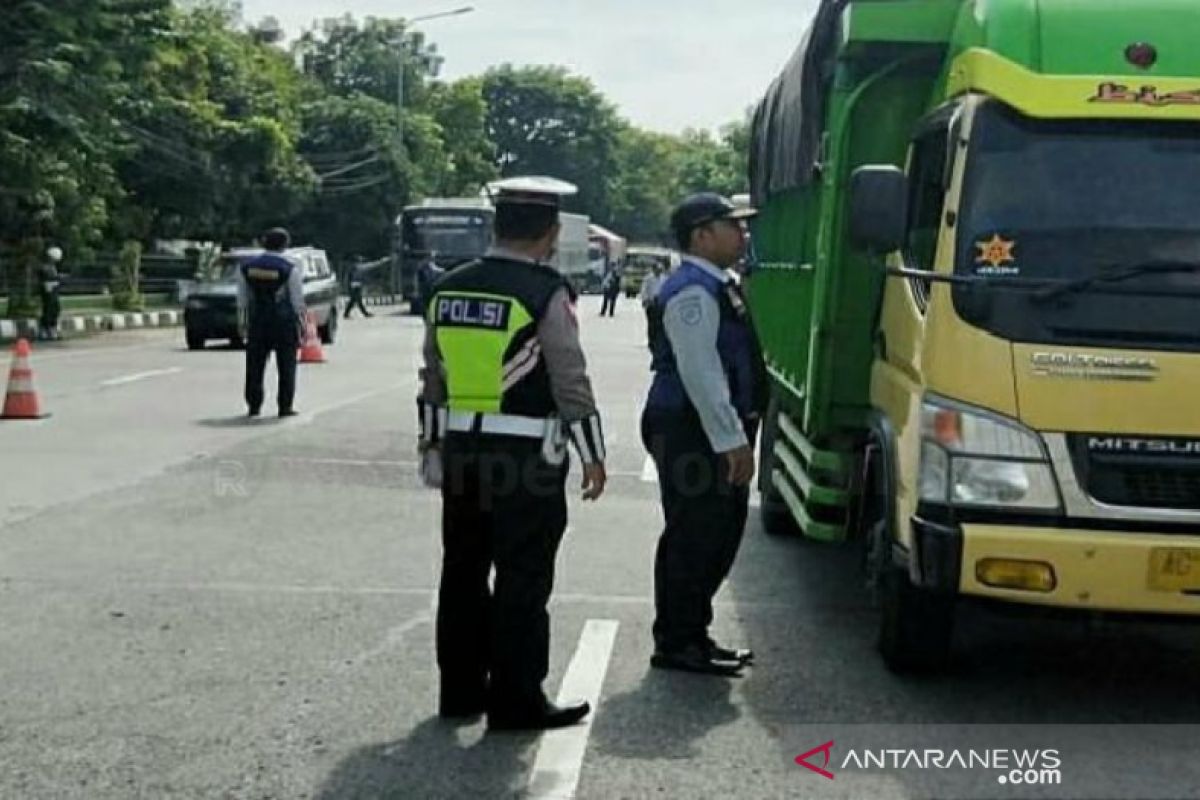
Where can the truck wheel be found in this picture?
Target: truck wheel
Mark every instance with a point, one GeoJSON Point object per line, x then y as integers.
{"type": "Point", "coordinates": [777, 519]}
{"type": "Point", "coordinates": [194, 341]}
{"type": "Point", "coordinates": [328, 331]}
{"type": "Point", "coordinates": [916, 626]}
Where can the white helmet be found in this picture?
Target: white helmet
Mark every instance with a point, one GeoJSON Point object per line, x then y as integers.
{"type": "Point", "coordinates": [54, 254]}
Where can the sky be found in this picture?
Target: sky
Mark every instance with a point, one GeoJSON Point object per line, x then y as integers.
{"type": "Point", "coordinates": [666, 64]}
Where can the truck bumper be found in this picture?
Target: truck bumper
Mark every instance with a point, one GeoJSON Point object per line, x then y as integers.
{"type": "Point", "coordinates": [1092, 570]}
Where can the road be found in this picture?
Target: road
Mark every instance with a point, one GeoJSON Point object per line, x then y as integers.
{"type": "Point", "coordinates": [201, 606]}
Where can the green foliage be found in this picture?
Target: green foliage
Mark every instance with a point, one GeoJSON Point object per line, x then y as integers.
{"type": "Point", "coordinates": [125, 121]}
{"type": "Point", "coordinates": [545, 121]}
{"type": "Point", "coordinates": [126, 277]}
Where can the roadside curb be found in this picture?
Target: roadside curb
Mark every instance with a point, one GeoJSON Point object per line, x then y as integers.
{"type": "Point", "coordinates": [382, 300]}
{"type": "Point", "coordinates": [11, 330]}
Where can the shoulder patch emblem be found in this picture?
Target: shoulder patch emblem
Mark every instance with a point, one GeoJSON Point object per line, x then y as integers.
{"type": "Point", "coordinates": [690, 310]}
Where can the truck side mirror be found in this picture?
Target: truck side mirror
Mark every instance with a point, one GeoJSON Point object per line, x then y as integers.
{"type": "Point", "coordinates": [878, 208]}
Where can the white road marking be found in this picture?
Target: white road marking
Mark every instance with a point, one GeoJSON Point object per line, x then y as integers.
{"type": "Point", "coordinates": [141, 376]}
{"type": "Point", "coordinates": [649, 471]}
{"type": "Point", "coordinates": [560, 754]}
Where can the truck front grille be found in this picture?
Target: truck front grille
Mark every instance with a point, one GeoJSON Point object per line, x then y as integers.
{"type": "Point", "coordinates": [1143, 472]}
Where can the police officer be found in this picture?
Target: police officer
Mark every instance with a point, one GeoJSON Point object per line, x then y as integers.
{"type": "Point", "coordinates": [271, 307]}
{"type": "Point", "coordinates": [699, 425]}
{"type": "Point", "coordinates": [49, 282]}
{"type": "Point", "coordinates": [504, 386]}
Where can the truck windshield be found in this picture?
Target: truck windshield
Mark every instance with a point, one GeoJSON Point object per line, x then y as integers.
{"type": "Point", "coordinates": [453, 234]}
{"type": "Point", "coordinates": [1062, 202]}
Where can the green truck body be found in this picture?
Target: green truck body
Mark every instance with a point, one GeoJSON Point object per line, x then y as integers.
{"type": "Point", "coordinates": [883, 67]}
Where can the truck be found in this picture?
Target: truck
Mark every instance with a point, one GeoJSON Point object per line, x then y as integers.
{"type": "Point", "coordinates": [571, 253]}
{"type": "Point", "coordinates": [606, 250]}
{"type": "Point", "coordinates": [975, 286]}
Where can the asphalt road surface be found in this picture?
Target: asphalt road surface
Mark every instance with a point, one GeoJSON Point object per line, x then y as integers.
{"type": "Point", "coordinates": [197, 605]}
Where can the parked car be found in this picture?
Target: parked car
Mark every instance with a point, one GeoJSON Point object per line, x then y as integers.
{"type": "Point", "coordinates": [210, 311]}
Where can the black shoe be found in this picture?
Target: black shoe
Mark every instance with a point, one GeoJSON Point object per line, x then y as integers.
{"type": "Point", "coordinates": [254, 412]}
{"type": "Point", "coordinates": [695, 659]}
{"type": "Point", "coordinates": [548, 716]}
{"type": "Point", "coordinates": [462, 707]}
{"type": "Point", "coordinates": [288, 412]}
{"type": "Point", "coordinates": [739, 654]}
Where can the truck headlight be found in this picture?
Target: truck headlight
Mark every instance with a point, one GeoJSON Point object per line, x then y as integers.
{"type": "Point", "coordinates": [973, 458]}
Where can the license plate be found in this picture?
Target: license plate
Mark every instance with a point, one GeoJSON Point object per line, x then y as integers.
{"type": "Point", "coordinates": [1175, 569]}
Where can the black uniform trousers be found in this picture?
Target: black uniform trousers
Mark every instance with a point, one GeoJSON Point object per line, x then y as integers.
{"type": "Point", "coordinates": [356, 301]}
{"type": "Point", "coordinates": [51, 308]}
{"type": "Point", "coordinates": [503, 508]}
{"type": "Point", "coordinates": [259, 347]}
{"type": "Point", "coordinates": [705, 516]}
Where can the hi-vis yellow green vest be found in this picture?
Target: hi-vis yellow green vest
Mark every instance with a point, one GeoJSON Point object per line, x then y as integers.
{"type": "Point", "coordinates": [485, 317]}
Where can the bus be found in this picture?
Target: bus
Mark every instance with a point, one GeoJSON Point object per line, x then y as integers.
{"type": "Point", "coordinates": [451, 231]}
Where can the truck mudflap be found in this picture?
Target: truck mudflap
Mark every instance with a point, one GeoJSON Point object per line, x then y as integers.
{"type": "Point", "coordinates": [937, 564]}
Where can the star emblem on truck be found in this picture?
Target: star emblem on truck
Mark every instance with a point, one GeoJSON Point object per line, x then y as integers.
{"type": "Point", "coordinates": [996, 252]}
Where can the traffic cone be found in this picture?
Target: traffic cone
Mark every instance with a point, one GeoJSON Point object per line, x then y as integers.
{"type": "Point", "coordinates": [310, 349]}
{"type": "Point", "coordinates": [21, 401]}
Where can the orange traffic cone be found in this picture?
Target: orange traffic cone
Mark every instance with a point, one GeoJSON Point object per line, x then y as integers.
{"type": "Point", "coordinates": [310, 349]}
{"type": "Point", "coordinates": [21, 402]}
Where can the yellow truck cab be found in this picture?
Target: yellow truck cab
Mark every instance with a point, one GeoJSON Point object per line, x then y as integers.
{"type": "Point", "coordinates": [978, 292]}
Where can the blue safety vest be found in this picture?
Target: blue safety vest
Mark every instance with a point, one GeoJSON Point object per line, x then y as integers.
{"type": "Point", "coordinates": [737, 346]}
{"type": "Point", "coordinates": [271, 311]}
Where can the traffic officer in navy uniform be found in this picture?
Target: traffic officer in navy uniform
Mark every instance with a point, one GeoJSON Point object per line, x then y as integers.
{"type": "Point", "coordinates": [271, 309]}
{"type": "Point", "coordinates": [699, 425]}
{"type": "Point", "coordinates": [504, 387]}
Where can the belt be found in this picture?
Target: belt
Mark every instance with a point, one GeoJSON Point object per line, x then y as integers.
{"type": "Point", "coordinates": [503, 424]}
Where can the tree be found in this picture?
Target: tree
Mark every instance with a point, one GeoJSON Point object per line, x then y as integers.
{"type": "Point", "coordinates": [349, 58]}
{"type": "Point", "coordinates": [644, 190]}
{"type": "Point", "coordinates": [461, 112]}
{"type": "Point", "coordinates": [213, 132]}
{"type": "Point", "coordinates": [64, 68]}
{"type": "Point", "coordinates": [545, 121]}
{"type": "Point", "coordinates": [363, 176]}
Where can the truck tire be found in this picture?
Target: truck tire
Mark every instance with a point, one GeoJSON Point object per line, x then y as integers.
{"type": "Point", "coordinates": [194, 340]}
{"type": "Point", "coordinates": [915, 625]}
{"type": "Point", "coordinates": [777, 520]}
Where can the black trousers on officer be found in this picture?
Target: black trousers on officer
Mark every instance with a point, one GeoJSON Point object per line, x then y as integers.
{"type": "Point", "coordinates": [51, 308]}
{"type": "Point", "coordinates": [705, 516]}
{"type": "Point", "coordinates": [356, 301]}
{"type": "Point", "coordinates": [259, 348]}
{"type": "Point", "coordinates": [503, 508]}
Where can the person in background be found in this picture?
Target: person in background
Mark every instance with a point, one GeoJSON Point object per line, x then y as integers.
{"type": "Point", "coordinates": [610, 288]}
{"type": "Point", "coordinates": [49, 282]}
{"type": "Point", "coordinates": [428, 274]}
{"type": "Point", "coordinates": [357, 280]}
{"type": "Point", "coordinates": [650, 286]}
{"type": "Point", "coordinates": [271, 307]}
